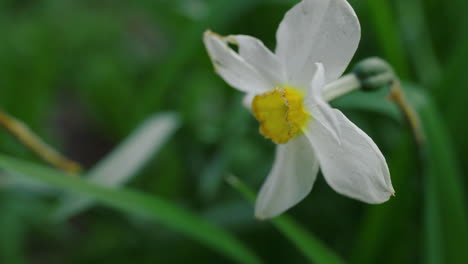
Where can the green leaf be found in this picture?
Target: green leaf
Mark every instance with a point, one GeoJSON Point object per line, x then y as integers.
{"type": "Point", "coordinates": [418, 39]}
{"type": "Point", "coordinates": [375, 101]}
{"type": "Point", "coordinates": [388, 35]}
{"type": "Point", "coordinates": [386, 225]}
{"type": "Point", "coordinates": [12, 234]}
{"type": "Point", "coordinates": [133, 202]}
{"type": "Point", "coordinates": [446, 220]}
{"type": "Point", "coordinates": [125, 161]}
{"type": "Point", "coordinates": [451, 95]}
{"type": "Point", "coordinates": [310, 247]}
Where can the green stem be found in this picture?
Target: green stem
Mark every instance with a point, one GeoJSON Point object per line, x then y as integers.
{"type": "Point", "coordinates": [446, 217]}
{"type": "Point", "coordinates": [413, 25]}
{"type": "Point", "coordinates": [310, 247]}
{"type": "Point", "coordinates": [388, 36]}
{"type": "Point", "coordinates": [133, 202]}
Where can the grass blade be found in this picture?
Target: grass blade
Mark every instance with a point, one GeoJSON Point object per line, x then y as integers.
{"type": "Point", "coordinates": [310, 246]}
{"type": "Point", "coordinates": [386, 225]}
{"type": "Point", "coordinates": [388, 36]}
{"type": "Point", "coordinates": [418, 38]}
{"type": "Point", "coordinates": [445, 232]}
{"type": "Point", "coordinates": [12, 235]}
{"type": "Point", "coordinates": [132, 202]}
{"type": "Point", "coordinates": [446, 217]}
{"type": "Point", "coordinates": [375, 102]}
{"type": "Point", "coordinates": [123, 163]}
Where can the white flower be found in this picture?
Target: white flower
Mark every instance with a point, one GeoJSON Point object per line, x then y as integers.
{"type": "Point", "coordinates": [316, 41]}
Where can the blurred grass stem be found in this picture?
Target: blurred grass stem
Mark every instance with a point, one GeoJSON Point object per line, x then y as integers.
{"type": "Point", "coordinates": [307, 243]}
{"type": "Point", "coordinates": [397, 96]}
{"type": "Point", "coordinates": [27, 137]}
{"type": "Point", "coordinates": [374, 74]}
{"type": "Point", "coordinates": [388, 35]}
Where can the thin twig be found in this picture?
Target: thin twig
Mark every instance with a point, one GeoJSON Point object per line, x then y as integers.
{"type": "Point", "coordinates": [397, 96]}
{"type": "Point", "coordinates": [25, 136]}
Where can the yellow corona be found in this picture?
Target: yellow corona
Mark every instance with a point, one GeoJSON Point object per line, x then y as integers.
{"type": "Point", "coordinates": [281, 113]}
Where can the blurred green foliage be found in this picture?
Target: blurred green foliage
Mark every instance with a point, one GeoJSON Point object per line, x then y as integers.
{"type": "Point", "coordinates": [84, 74]}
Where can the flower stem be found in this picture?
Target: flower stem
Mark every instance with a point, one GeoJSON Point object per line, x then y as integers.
{"type": "Point", "coordinates": [397, 96]}
{"type": "Point", "coordinates": [306, 242]}
{"type": "Point", "coordinates": [26, 137]}
{"type": "Point", "coordinates": [372, 74]}
{"type": "Point", "coordinates": [346, 84]}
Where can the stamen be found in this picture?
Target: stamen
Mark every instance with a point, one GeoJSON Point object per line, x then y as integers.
{"type": "Point", "coordinates": [281, 113]}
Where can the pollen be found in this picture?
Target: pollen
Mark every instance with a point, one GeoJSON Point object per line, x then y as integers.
{"type": "Point", "coordinates": [281, 113]}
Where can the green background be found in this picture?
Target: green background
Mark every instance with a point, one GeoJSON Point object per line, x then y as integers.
{"type": "Point", "coordinates": [84, 74]}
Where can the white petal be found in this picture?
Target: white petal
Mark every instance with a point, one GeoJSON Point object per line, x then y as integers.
{"type": "Point", "coordinates": [247, 101]}
{"type": "Point", "coordinates": [261, 58]}
{"type": "Point", "coordinates": [317, 85]}
{"type": "Point", "coordinates": [355, 167]}
{"type": "Point", "coordinates": [235, 70]}
{"type": "Point", "coordinates": [318, 107]}
{"type": "Point", "coordinates": [290, 180]}
{"type": "Point", "coordinates": [313, 31]}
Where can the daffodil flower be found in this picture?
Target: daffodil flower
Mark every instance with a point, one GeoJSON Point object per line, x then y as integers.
{"type": "Point", "coordinates": [315, 42]}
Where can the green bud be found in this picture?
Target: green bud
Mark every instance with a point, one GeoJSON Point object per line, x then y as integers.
{"type": "Point", "coordinates": [374, 73]}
